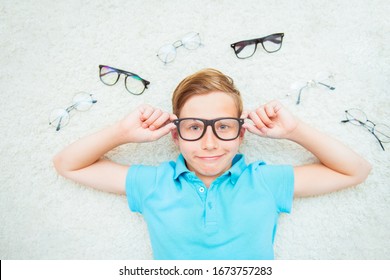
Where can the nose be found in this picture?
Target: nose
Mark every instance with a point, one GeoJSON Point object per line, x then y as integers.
{"type": "Point", "coordinates": [209, 140]}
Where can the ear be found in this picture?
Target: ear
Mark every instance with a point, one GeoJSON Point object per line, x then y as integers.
{"type": "Point", "coordinates": [242, 133]}
{"type": "Point", "coordinates": [175, 137]}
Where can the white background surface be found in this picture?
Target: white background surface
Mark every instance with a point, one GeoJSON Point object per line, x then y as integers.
{"type": "Point", "coordinates": [49, 50]}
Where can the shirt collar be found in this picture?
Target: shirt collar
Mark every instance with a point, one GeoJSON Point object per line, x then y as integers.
{"type": "Point", "coordinates": [238, 166]}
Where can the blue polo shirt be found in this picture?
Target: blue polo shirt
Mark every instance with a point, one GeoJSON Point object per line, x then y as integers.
{"type": "Point", "coordinates": [235, 218]}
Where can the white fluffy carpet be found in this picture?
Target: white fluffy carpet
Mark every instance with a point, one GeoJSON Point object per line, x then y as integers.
{"type": "Point", "coordinates": [50, 50]}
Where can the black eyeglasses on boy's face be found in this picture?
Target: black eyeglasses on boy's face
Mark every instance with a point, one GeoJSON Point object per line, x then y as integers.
{"type": "Point", "coordinates": [380, 131]}
{"type": "Point", "coordinates": [192, 129]}
{"type": "Point", "coordinates": [271, 43]}
{"type": "Point", "coordinates": [133, 83]}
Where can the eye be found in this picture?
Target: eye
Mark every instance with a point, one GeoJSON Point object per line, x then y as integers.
{"type": "Point", "coordinates": [223, 127]}
{"type": "Point", "coordinates": [191, 125]}
{"type": "Point", "coordinates": [194, 127]}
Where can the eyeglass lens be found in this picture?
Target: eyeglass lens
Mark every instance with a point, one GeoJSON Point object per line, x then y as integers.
{"type": "Point", "coordinates": [245, 49]}
{"type": "Point", "coordinates": [190, 41]}
{"type": "Point", "coordinates": [133, 83]}
{"type": "Point", "coordinates": [194, 129]}
{"type": "Point", "coordinates": [272, 43]}
{"type": "Point", "coordinates": [81, 102]}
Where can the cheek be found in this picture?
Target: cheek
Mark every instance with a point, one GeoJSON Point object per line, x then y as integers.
{"type": "Point", "coordinates": [232, 145]}
{"type": "Point", "coordinates": [186, 147]}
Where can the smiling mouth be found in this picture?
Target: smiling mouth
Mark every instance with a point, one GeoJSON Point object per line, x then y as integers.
{"type": "Point", "coordinates": [210, 158]}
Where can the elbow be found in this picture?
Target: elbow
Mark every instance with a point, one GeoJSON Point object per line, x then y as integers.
{"type": "Point", "coordinates": [363, 171]}
{"type": "Point", "coordinates": [58, 163]}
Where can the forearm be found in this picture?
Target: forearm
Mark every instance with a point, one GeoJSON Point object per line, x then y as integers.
{"type": "Point", "coordinates": [87, 150]}
{"type": "Point", "coordinates": [330, 152]}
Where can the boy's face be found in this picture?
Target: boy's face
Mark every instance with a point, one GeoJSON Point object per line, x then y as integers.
{"type": "Point", "coordinates": [209, 157]}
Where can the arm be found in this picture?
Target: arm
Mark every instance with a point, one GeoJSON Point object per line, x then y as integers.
{"type": "Point", "coordinates": [82, 161]}
{"type": "Point", "coordinates": [339, 167]}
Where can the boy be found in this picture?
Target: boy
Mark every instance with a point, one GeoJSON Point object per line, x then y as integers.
{"type": "Point", "coordinates": [210, 204]}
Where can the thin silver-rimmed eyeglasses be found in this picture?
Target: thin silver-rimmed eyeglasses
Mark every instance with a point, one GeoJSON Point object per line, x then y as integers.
{"type": "Point", "coordinates": [323, 80]}
{"type": "Point", "coordinates": [190, 41]}
{"type": "Point", "coordinates": [82, 101]}
{"type": "Point", "coordinates": [380, 131]}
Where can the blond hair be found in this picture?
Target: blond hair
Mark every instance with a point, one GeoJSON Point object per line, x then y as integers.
{"type": "Point", "coordinates": [204, 82]}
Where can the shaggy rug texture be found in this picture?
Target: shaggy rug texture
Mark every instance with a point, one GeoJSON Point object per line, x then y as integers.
{"type": "Point", "coordinates": [50, 50]}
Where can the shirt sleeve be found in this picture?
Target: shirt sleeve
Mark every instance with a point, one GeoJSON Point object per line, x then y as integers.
{"type": "Point", "coordinates": [140, 181]}
{"type": "Point", "coordinates": [279, 180]}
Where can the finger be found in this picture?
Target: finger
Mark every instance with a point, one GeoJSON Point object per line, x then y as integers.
{"type": "Point", "coordinates": [254, 117]}
{"type": "Point", "coordinates": [160, 121]}
{"type": "Point", "coordinates": [147, 111]}
{"type": "Point", "coordinates": [253, 129]}
{"type": "Point", "coordinates": [269, 110]}
{"type": "Point", "coordinates": [261, 112]}
{"type": "Point", "coordinates": [152, 118]}
{"type": "Point", "coordinates": [273, 107]}
{"type": "Point", "coordinates": [162, 131]}
{"type": "Point", "coordinates": [244, 115]}
{"type": "Point", "coordinates": [173, 117]}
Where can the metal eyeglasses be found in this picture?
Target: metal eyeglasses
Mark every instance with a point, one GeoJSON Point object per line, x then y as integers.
{"type": "Point", "coordinates": [323, 80]}
{"type": "Point", "coordinates": [190, 41]}
{"type": "Point", "coordinates": [82, 101]}
{"type": "Point", "coordinates": [380, 131]}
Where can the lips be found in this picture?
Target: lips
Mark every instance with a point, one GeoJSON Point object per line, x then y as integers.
{"type": "Point", "coordinates": [210, 158]}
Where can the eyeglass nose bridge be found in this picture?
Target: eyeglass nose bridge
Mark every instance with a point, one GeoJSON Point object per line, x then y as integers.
{"type": "Point", "coordinates": [208, 123]}
{"type": "Point", "coordinates": [177, 44]}
{"type": "Point", "coordinates": [311, 83]}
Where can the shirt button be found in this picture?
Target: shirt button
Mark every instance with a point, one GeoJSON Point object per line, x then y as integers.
{"type": "Point", "coordinates": [201, 189]}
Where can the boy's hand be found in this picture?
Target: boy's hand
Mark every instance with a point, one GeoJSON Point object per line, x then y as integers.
{"type": "Point", "coordinates": [146, 124]}
{"type": "Point", "coordinates": [270, 120]}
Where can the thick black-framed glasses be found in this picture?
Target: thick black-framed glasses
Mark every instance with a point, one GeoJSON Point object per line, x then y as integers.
{"type": "Point", "coordinates": [192, 129]}
{"type": "Point", "coordinates": [380, 131]}
{"type": "Point", "coordinates": [271, 43]}
{"type": "Point", "coordinates": [133, 83]}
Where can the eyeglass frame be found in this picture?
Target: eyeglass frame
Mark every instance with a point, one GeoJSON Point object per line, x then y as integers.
{"type": "Point", "coordinates": [127, 74]}
{"type": "Point", "coordinates": [209, 123]}
{"type": "Point", "coordinates": [364, 124]}
{"type": "Point", "coordinates": [71, 108]}
{"type": "Point", "coordinates": [177, 44]}
{"type": "Point", "coordinates": [257, 41]}
{"type": "Point", "coordinates": [308, 84]}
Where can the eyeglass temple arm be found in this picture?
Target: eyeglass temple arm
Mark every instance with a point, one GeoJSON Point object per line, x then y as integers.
{"type": "Point", "coordinates": [114, 70]}
{"type": "Point", "coordinates": [109, 72]}
{"type": "Point", "coordinates": [299, 95]}
{"type": "Point", "coordinates": [380, 142]}
{"type": "Point", "coordinates": [276, 40]}
{"type": "Point", "coordinates": [328, 86]}
{"type": "Point", "coordinates": [238, 50]}
{"type": "Point", "coordinates": [59, 124]}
